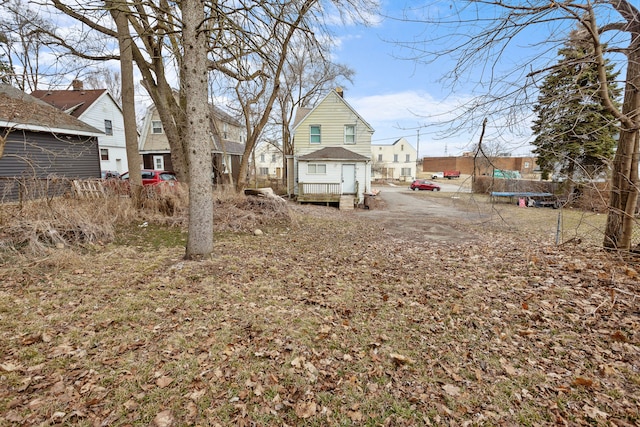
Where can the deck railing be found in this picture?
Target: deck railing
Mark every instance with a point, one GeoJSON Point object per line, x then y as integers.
{"type": "Point", "coordinates": [308, 188]}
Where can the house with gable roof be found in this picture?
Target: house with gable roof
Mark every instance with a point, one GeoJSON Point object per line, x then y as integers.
{"type": "Point", "coordinates": [228, 138]}
{"type": "Point", "coordinates": [41, 147]}
{"type": "Point", "coordinates": [396, 161]}
{"type": "Point", "coordinates": [331, 162]}
{"type": "Point", "coordinates": [97, 108]}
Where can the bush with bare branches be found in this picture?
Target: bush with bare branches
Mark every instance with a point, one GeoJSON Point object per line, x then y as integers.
{"type": "Point", "coordinates": [36, 226]}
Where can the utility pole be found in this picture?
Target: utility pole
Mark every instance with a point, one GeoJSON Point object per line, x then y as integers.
{"type": "Point", "coordinates": [417, 152]}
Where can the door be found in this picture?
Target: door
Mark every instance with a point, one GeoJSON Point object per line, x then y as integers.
{"type": "Point", "coordinates": [348, 179]}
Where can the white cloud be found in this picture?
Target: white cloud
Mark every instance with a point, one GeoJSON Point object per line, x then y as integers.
{"type": "Point", "coordinates": [417, 106]}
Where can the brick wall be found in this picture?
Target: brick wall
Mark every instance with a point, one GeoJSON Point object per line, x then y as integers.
{"type": "Point", "coordinates": [483, 166]}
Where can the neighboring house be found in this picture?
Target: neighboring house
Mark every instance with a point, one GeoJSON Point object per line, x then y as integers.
{"type": "Point", "coordinates": [97, 108]}
{"type": "Point", "coordinates": [39, 144]}
{"type": "Point", "coordinates": [331, 161]}
{"type": "Point", "coordinates": [227, 144]}
{"type": "Point", "coordinates": [396, 161]}
{"type": "Point", "coordinates": [268, 161]}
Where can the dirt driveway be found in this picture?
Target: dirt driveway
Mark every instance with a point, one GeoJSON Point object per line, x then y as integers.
{"type": "Point", "coordinates": [415, 216]}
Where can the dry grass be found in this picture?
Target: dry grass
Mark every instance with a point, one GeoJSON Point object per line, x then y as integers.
{"type": "Point", "coordinates": [321, 321]}
{"type": "Point", "coordinates": [34, 228]}
{"type": "Point", "coordinates": [565, 225]}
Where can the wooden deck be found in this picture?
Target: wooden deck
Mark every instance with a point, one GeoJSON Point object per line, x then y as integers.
{"type": "Point", "coordinates": [326, 193]}
{"type": "Point", "coordinates": [319, 192]}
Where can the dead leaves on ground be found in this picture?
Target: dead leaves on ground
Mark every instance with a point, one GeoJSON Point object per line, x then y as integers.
{"type": "Point", "coordinates": [354, 329]}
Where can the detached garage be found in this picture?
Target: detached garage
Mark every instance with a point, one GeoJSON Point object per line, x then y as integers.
{"type": "Point", "coordinates": [42, 148]}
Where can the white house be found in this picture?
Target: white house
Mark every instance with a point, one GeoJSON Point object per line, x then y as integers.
{"type": "Point", "coordinates": [97, 108]}
{"type": "Point", "coordinates": [396, 161]}
{"type": "Point", "coordinates": [332, 153]}
{"type": "Point", "coordinates": [269, 162]}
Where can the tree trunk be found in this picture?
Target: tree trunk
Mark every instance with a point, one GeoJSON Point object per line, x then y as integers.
{"type": "Point", "coordinates": [624, 182]}
{"type": "Point", "coordinates": [198, 151]}
{"type": "Point", "coordinates": [128, 101]}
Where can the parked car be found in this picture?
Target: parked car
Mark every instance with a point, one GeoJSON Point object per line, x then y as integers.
{"type": "Point", "coordinates": [154, 177]}
{"type": "Point", "coordinates": [437, 175]}
{"type": "Point", "coordinates": [422, 184]}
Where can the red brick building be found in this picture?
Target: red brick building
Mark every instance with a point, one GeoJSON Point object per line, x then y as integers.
{"type": "Point", "coordinates": [482, 165]}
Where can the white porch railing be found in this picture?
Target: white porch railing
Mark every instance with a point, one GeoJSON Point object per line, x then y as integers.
{"type": "Point", "coordinates": [307, 188]}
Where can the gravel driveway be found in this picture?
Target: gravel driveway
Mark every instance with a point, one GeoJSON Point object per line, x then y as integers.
{"type": "Point", "coordinates": [403, 214]}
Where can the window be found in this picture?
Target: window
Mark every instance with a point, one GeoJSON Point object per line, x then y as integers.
{"type": "Point", "coordinates": [104, 154]}
{"type": "Point", "coordinates": [315, 168]}
{"type": "Point", "coordinates": [314, 134]}
{"type": "Point", "coordinates": [261, 158]}
{"type": "Point", "coordinates": [225, 130]}
{"type": "Point", "coordinates": [263, 171]}
{"type": "Point", "coordinates": [395, 158]}
{"type": "Point", "coordinates": [379, 157]}
{"type": "Point", "coordinates": [156, 126]}
{"type": "Point", "coordinates": [158, 162]}
{"type": "Point", "coordinates": [401, 147]}
{"type": "Point", "coordinates": [526, 165]}
{"type": "Point", "coordinates": [405, 172]}
{"type": "Point", "coordinates": [273, 158]}
{"type": "Point", "coordinates": [408, 158]}
{"type": "Point", "coordinates": [350, 134]}
{"type": "Point", "coordinates": [108, 127]}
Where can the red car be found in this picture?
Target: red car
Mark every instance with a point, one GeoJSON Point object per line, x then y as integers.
{"type": "Point", "coordinates": [155, 177]}
{"type": "Point", "coordinates": [423, 184]}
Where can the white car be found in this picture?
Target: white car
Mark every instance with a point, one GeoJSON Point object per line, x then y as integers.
{"type": "Point", "coordinates": [437, 175]}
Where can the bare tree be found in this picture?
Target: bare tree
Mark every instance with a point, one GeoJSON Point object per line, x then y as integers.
{"type": "Point", "coordinates": [194, 86]}
{"type": "Point", "coordinates": [103, 77]}
{"type": "Point", "coordinates": [247, 42]}
{"type": "Point", "coordinates": [308, 75]}
{"type": "Point", "coordinates": [276, 78]}
{"type": "Point", "coordinates": [480, 35]}
{"type": "Point", "coordinates": [127, 99]}
{"type": "Point", "coordinates": [25, 43]}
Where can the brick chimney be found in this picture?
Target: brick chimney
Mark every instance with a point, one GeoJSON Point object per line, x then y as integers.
{"type": "Point", "coordinates": [77, 85]}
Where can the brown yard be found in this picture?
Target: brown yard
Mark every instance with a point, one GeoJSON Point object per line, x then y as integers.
{"type": "Point", "coordinates": [328, 318]}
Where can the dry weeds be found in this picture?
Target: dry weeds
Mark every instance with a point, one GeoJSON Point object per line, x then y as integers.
{"type": "Point", "coordinates": [323, 320]}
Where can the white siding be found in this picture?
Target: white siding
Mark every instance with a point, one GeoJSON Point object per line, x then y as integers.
{"type": "Point", "coordinates": [269, 151]}
{"type": "Point", "coordinates": [400, 148]}
{"type": "Point", "coordinates": [332, 115]}
{"type": "Point", "coordinates": [105, 108]}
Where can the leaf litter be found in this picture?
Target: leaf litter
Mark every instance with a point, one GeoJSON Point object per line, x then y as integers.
{"type": "Point", "coordinates": [323, 321]}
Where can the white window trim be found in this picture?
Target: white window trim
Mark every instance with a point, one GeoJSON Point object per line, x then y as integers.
{"type": "Point", "coordinates": [158, 163]}
{"type": "Point", "coordinates": [153, 128]}
{"type": "Point", "coordinates": [345, 134]}
{"type": "Point", "coordinates": [319, 134]}
{"type": "Point", "coordinates": [315, 166]}
{"type": "Point", "coordinates": [108, 127]}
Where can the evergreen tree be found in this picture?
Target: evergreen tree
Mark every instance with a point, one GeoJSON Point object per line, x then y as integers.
{"type": "Point", "coordinates": [575, 134]}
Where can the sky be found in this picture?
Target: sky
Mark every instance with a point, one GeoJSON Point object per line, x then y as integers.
{"type": "Point", "coordinates": [399, 97]}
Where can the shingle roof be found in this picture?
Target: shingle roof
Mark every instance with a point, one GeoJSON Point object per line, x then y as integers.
{"type": "Point", "coordinates": [230, 147]}
{"type": "Point", "coordinates": [333, 153]}
{"type": "Point", "coordinates": [25, 111]}
{"type": "Point", "coordinates": [301, 113]}
{"type": "Point", "coordinates": [74, 102]}
{"type": "Point", "coordinates": [223, 116]}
